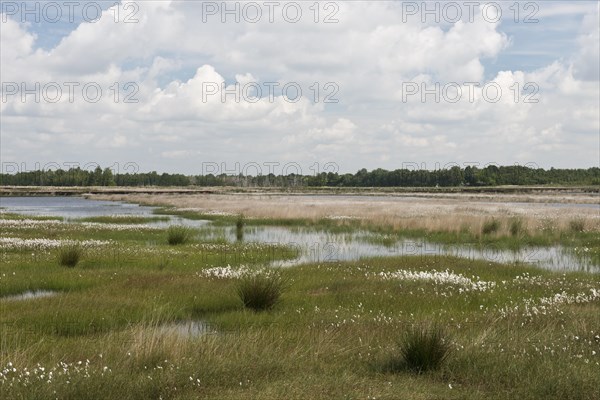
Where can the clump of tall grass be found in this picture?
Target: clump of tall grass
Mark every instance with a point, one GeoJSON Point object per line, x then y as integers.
{"type": "Point", "coordinates": [422, 348]}
{"type": "Point", "coordinates": [491, 226]}
{"type": "Point", "coordinates": [69, 255]}
{"type": "Point", "coordinates": [260, 291]}
{"type": "Point", "coordinates": [178, 234]}
{"type": "Point", "coordinates": [516, 226]}
{"type": "Point", "coordinates": [239, 227]}
{"type": "Point", "coordinates": [577, 225]}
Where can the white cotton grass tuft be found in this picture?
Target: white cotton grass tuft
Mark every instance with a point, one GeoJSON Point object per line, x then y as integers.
{"type": "Point", "coordinates": [56, 224]}
{"type": "Point", "coordinates": [550, 304]}
{"type": "Point", "coordinates": [42, 243]}
{"type": "Point", "coordinates": [230, 272]}
{"type": "Point", "coordinates": [440, 278]}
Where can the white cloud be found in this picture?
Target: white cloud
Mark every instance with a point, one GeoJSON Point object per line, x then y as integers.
{"type": "Point", "coordinates": [173, 58]}
{"type": "Point", "coordinates": [587, 60]}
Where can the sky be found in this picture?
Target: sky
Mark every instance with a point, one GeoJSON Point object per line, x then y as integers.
{"type": "Point", "coordinates": [278, 87]}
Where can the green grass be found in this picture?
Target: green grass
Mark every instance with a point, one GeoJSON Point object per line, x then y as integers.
{"type": "Point", "coordinates": [262, 291]}
{"type": "Point", "coordinates": [329, 337]}
{"type": "Point", "coordinates": [239, 227]}
{"type": "Point", "coordinates": [422, 348]}
{"type": "Point", "coordinates": [218, 220]}
{"type": "Point", "coordinates": [177, 234]}
{"type": "Point", "coordinates": [491, 226]}
{"type": "Point", "coordinates": [577, 225]}
{"type": "Point", "coordinates": [69, 255]}
{"type": "Point", "coordinates": [516, 226]}
{"type": "Point", "coordinates": [123, 219]}
{"type": "Point", "coordinates": [8, 215]}
{"type": "Point", "coordinates": [232, 220]}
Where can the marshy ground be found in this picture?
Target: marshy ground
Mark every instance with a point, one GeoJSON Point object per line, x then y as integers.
{"type": "Point", "coordinates": [139, 318]}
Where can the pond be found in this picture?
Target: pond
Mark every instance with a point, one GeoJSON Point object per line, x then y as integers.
{"type": "Point", "coordinates": [72, 208]}
{"type": "Point", "coordinates": [314, 245]}
{"type": "Point", "coordinates": [317, 246]}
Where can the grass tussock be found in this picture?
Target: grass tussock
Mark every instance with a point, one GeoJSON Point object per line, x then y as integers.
{"type": "Point", "coordinates": [260, 292]}
{"type": "Point", "coordinates": [70, 255]}
{"type": "Point", "coordinates": [239, 227]}
{"type": "Point", "coordinates": [516, 227]}
{"type": "Point", "coordinates": [577, 225]}
{"type": "Point", "coordinates": [422, 348]}
{"type": "Point", "coordinates": [491, 226]}
{"type": "Point", "coordinates": [177, 234]}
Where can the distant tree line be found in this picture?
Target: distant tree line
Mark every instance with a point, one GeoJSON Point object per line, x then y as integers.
{"type": "Point", "coordinates": [456, 176]}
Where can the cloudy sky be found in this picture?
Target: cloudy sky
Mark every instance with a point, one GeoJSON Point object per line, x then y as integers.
{"type": "Point", "coordinates": [178, 86]}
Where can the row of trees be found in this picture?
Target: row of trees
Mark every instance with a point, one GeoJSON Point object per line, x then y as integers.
{"type": "Point", "coordinates": [455, 176]}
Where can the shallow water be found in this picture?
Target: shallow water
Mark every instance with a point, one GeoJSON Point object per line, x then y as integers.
{"type": "Point", "coordinates": [72, 208]}
{"type": "Point", "coordinates": [313, 245]}
{"type": "Point", "coordinates": [28, 295]}
{"type": "Point", "coordinates": [187, 329]}
{"type": "Point", "coordinates": [320, 246]}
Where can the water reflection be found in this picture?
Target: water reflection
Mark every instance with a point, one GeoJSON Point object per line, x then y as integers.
{"type": "Point", "coordinates": [315, 246]}
{"type": "Point", "coordinates": [187, 329]}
